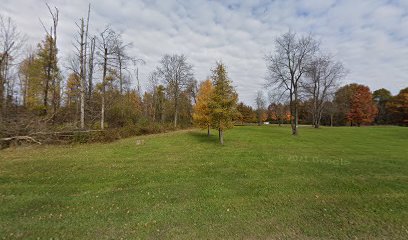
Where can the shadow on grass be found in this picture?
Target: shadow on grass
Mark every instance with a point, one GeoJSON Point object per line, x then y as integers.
{"type": "Point", "coordinates": [203, 138]}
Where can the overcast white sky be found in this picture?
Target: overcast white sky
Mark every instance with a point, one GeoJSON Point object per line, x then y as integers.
{"type": "Point", "coordinates": [369, 36]}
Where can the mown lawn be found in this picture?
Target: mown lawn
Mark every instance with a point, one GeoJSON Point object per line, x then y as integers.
{"type": "Point", "coordinates": [326, 183]}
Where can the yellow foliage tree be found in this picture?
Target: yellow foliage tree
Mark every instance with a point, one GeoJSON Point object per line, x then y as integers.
{"type": "Point", "coordinates": [202, 111]}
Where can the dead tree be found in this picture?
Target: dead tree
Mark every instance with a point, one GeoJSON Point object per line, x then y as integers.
{"type": "Point", "coordinates": [107, 46]}
{"type": "Point", "coordinates": [52, 61]}
{"type": "Point", "coordinates": [81, 48]}
{"type": "Point", "coordinates": [91, 67]}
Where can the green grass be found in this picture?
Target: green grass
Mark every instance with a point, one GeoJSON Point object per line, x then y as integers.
{"type": "Point", "coordinates": [326, 183]}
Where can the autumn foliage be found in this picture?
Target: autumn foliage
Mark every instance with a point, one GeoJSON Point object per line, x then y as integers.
{"type": "Point", "coordinates": [279, 113]}
{"type": "Point", "coordinates": [398, 108]}
{"type": "Point", "coordinates": [362, 107]}
{"type": "Point", "coordinates": [246, 113]}
{"type": "Point", "coordinates": [202, 112]}
{"type": "Point", "coordinates": [216, 105]}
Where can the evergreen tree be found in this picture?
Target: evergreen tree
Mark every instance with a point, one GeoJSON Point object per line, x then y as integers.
{"type": "Point", "coordinates": [223, 101]}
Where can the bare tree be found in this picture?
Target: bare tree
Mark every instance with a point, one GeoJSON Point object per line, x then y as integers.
{"type": "Point", "coordinates": [136, 72]}
{"type": "Point", "coordinates": [11, 41]}
{"type": "Point", "coordinates": [91, 66]}
{"type": "Point", "coordinates": [176, 74]}
{"type": "Point", "coordinates": [260, 107]}
{"type": "Point", "coordinates": [322, 79]}
{"type": "Point", "coordinates": [287, 66]}
{"type": "Point", "coordinates": [123, 59]}
{"type": "Point", "coordinates": [82, 73]}
{"type": "Point", "coordinates": [81, 48]}
{"type": "Point", "coordinates": [107, 50]}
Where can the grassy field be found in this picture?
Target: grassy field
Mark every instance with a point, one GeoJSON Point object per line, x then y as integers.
{"type": "Point", "coordinates": [326, 183]}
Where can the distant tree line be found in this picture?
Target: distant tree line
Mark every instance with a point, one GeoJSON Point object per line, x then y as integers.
{"type": "Point", "coordinates": [350, 105]}
{"type": "Point", "coordinates": [306, 89]}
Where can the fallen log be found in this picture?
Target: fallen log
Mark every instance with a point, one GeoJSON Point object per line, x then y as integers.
{"type": "Point", "coordinates": [46, 137]}
{"type": "Point", "coordinates": [20, 138]}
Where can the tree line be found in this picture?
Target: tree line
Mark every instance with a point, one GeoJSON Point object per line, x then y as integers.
{"type": "Point", "coordinates": [97, 87]}
{"type": "Point", "coordinates": [350, 105]}
{"type": "Point", "coordinates": [306, 87]}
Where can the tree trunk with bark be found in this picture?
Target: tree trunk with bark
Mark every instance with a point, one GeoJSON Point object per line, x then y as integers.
{"type": "Point", "coordinates": [105, 66]}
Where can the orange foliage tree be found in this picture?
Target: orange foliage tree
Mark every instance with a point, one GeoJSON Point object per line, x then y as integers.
{"type": "Point", "coordinates": [279, 112]}
{"type": "Point", "coordinates": [202, 112]}
{"type": "Point", "coordinates": [362, 107]}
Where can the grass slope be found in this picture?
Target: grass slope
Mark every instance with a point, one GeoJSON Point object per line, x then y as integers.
{"type": "Point", "coordinates": [264, 183]}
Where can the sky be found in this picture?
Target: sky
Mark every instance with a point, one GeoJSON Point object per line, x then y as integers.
{"type": "Point", "coordinates": [370, 37]}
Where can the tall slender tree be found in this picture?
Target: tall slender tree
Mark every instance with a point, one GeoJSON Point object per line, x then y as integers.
{"type": "Point", "coordinates": [107, 46]}
{"type": "Point", "coordinates": [202, 111]}
{"type": "Point", "coordinates": [260, 108]}
{"type": "Point", "coordinates": [223, 101]}
{"type": "Point", "coordinates": [51, 61]}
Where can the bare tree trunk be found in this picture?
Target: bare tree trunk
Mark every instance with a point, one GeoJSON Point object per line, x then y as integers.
{"type": "Point", "coordinates": [76, 111]}
{"type": "Point", "coordinates": [86, 42]}
{"type": "Point", "coordinates": [2, 82]}
{"type": "Point", "coordinates": [175, 118]}
{"type": "Point", "coordinates": [292, 112]}
{"type": "Point", "coordinates": [45, 97]}
{"type": "Point", "coordinates": [52, 35]}
{"type": "Point", "coordinates": [331, 120]}
{"type": "Point", "coordinates": [103, 109]}
{"type": "Point", "coordinates": [47, 78]}
{"type": "Point", "coordinates": [105, 63]}
{"type": "Point", "coordinates": [221, 137]}
{"type": "Point", "coordinates": [208, 130]}
{"type": "Point", "coordinates": [82, 74]}
{"type": "Point", "coordinates": [296, 114]}
{"type": "Point", "coordinates": [138, 83]}
{"type": "Point", "coordinates": [175, 108]}
{"type": "Point", "coordinates": [25, 95]}
{"type": "Point", "coordinates": [91, 67]}
{"type": "Point", "coordinates": [120, 74]}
